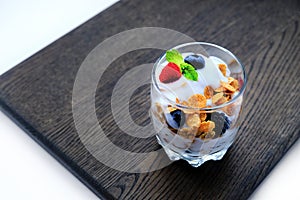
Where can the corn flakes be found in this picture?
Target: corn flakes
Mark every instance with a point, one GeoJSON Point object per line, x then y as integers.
{"type": "Point", "coordinates": [222, 68]}
{"type": "Point", "coordinates": [188, 133]}
{"type": "Point", "coordinates": [207, 135]}
{"type": "Point", "coordinates": [219, 98]}
{"type": "Point", "coordinates": [208, 92]}
{"type": "Point", "coordinates": [197, 101]}
{"type": "Point", "coordinates": [230, 79]}
{"type": "Point", "coordinates": [171, 109]}
{"type": "Point", "coordinates": [220, 89]}
{"type": "Point", "coordinates": [228, 87]}
{"type": "Point", "coordinates": [206, 126]}
{"type": "Point", "coordinates": [203, 117]}
{"type": "Point", "coordinates": [193, 120]}
{"type": "Point", "coordinates": [235, 84]}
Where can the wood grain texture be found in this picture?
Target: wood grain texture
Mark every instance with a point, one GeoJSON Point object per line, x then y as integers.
{"type": "Point", "coordinates": [265, 35]}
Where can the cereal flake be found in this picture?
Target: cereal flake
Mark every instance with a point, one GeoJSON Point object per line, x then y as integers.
{"type": "Point", "coordinates": [207, 135]}
{"type": "Point", "coordinates": [188, 133]}
{"type": "Point", "coordinates": [222, 68]}
{"type": "Point", "coordinates": [219, 98]}
{"type": "Point", "coordinates": [220, 89]}
{"type": "Point", "coordinates": [193, 120]}
{"type": "Point", "coordinates": [230, 79]}
{"type": "Point", "coordinates": [208, 92]}
{"type": "Point", "coordinates": [206, 126]}
{"type": "Point", "coordinates": [203, 116]}
{"type": "Point", "coordinates": [171, 108]}
{"type": "Point", "coordinates": [227, 86]}
{"type": "Point", "coordinates": [197, 101]}
{"type": "Point", "coordinates": [235, 84]}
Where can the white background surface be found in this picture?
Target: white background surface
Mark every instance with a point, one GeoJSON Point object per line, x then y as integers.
{"type": "Point", "coordinates": [27, 171]}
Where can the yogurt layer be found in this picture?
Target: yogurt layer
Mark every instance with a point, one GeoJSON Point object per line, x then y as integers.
{"type": "Point", "coordinates": [183, 88]}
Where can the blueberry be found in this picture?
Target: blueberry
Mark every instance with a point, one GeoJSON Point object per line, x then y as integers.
{"type": "Point", "coordinates": [195, 60]}
{"type": "Point", "coordinates": [208, 116]}
{"type": "Point", "coordinates": [175, 118]}
{"type": "Point", "coordinates": [222, 123]}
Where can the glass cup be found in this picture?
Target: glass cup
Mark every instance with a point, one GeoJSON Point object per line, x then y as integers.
{"type": "Point", "coordinates": [195, 139]}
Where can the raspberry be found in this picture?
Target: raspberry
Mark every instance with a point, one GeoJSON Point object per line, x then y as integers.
{"type": "Point", "coordinates": [170, 73]}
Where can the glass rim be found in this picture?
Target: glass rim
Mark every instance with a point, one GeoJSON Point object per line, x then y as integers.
{"type": "Point", "coordinates": [233, 100]}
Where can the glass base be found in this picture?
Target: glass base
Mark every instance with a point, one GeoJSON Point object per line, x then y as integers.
{"type": "Point", "coordinates": [194, 161]}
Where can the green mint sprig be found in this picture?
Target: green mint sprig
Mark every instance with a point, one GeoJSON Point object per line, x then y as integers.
{"type": "Point", "coordinates": [174, 56]}
{"type": "Point", "coordinates": [186, 69]}
{"type": "Point", "coordinates": [189, 71]}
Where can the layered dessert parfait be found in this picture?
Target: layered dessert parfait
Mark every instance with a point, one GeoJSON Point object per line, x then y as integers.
{"type": "Point", "coordinates": [196, 101]}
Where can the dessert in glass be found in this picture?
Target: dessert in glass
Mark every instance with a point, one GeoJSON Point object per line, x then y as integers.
{"type": "Point", "coordinates": [196, 97]}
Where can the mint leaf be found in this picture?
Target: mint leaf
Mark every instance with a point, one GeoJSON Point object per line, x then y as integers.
{"type": "Point", "coordinates": [174, 56]}
{"type": "Point", "coordinates": [192, 75]}
{"type": "Point", "coordinates": [189, 71]}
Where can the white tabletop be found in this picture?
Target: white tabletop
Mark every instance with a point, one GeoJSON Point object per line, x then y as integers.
{"type": "Point", "coordinates": [29, 172]}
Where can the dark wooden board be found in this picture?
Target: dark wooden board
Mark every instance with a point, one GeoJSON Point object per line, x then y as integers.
{"type": "Point", "coordinates": [265, 35]}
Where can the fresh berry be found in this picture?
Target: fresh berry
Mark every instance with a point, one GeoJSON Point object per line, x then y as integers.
{"type": "Point", "coordinates": [175, 118]}
{"type": "Point", "coordinates": [195, 60]}
{"type": "Point", "coordinates": [241, 82]}
{"type": "Point", "coordinates": [170, 73]}
{"type": "Point", "coordinates": [222, 123]}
